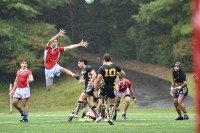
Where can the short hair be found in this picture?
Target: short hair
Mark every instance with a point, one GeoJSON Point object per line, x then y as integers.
{"type": "Point", "coordinates": [83, 60]}
{"type": "Point", "coordinates": [23, 60]}
{"type": "Point", "coordinates": [107, 57]}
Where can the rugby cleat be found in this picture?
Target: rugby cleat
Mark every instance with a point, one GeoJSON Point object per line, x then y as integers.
{"type": "Point", "coordinates": [98, 119]}
{"type": "Point", "coordinates": [185, 117]}
{"type": "Point", "coordinates": [110, 121]}
{"type": "Point", "coordinates": [179, 118]}
{"type": "Point", "coordinates": [124, 116]}
{"type": "Point", "coordinates": [73, 115]}
{"type": "Point", "coordinates": [24, 120]}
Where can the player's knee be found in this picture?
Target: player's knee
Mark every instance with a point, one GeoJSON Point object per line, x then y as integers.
{"type": "Point", "coordinates": [14, 103]}
{"type": "Point", "coordinates": [175, 103]}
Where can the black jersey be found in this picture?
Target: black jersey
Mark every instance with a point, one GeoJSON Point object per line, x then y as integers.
{"type": "Point", "coordinates": [87, 74]}
{"type": "Point", "coordinates": [109, 73]}
{"type": "Point", "coordinates": [179, 77]}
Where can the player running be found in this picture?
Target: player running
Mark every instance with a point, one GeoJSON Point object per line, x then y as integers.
{"type": "Point", "coordinates": [89, 75]}
{"type": "Point", "coordinates": [108, 72]}
{"type": "Point", "coordinates": [179, 90]}
{"type": "Point", "coordinates": [21, 90]}
{"type": "Point", "coordinates": [51, 56]}
{"type": "Point", "coordinates": [124, 89]}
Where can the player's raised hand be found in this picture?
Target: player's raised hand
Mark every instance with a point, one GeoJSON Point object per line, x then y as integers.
{"type": "Point", "coordinates": [61, 32]}
{"type": "Point", "coordinates": [84, 43]}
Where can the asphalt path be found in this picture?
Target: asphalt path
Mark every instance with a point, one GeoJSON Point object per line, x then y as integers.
{"type": "Point", "coordinates": [150, 91]}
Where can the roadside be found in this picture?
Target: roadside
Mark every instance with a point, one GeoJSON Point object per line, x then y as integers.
{"type": "Point", "coordinates": [150, 69]}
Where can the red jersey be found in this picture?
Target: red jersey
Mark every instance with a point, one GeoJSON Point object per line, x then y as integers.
{"type": "Point", "coordinates": [51, 56]}
{"type": "Point", "coordinates": [22, 76]}
{"type": "Point", "coordinates": [127, 84]}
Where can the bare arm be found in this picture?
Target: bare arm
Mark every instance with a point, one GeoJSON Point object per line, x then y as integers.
{"type": "Point", "coordinates": [94, 75]}
{"type": "Point", "coordinates": [14, 87]}
{"type": "Point", "coordinates": [81, 44]}
{"type": "Point", "coordinates": [122, 74]}
{"type": "Point", "coordinates": [131, 91]}
{"type": "Point", "coordinates": [97, 83]}
{"type": "Point", "coordinates": [60, 33]}
{"type": "Point", "coordinates": [30, 78]}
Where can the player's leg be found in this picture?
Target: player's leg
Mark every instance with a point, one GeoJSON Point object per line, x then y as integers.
{"type": "Point", "coordinates": [79, 105]}
{"type": "Point", "coordinates": [15, 102]}
{"type": "Point", "coordinates": [68, 72]}
{"type": "Point", "coordinates": [118, 98]}
{"type": "Point", "coordinates": [126, 105]}
{"type": "Point", "coordinates": [181, 98]}
{"type": "Point", "coordinates": [49, 76]}
{"type": "Point", "coordinates": [177, 106]}
{"type": "Point", "coordinates": [16, 98]}
{"type": "Point", "coordinates": [111, 110]}
{"type": "Point", "coordinates": [26, 109]}
{"type": "Point", "coordinates": [91, 100]}
{"type": "Point", "coordinates": [178, 109]}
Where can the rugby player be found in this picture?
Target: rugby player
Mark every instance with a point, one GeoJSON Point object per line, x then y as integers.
{"type": "Point", "coordinates": [89, 75]}
{"type": "Point", "coordinates": [108, 72]}
{"type": "Point", "coordinates": [124, 89]}
{"type": "Point", "coordinates": [51, 56]}
{"type": "Point", "coordinates": [21, 90]}
{"type": "Point", "coordinates": [179, 90]}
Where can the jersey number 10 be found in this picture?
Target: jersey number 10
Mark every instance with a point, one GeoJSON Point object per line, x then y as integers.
{"type": "Point", "coordinates": [110, 72]}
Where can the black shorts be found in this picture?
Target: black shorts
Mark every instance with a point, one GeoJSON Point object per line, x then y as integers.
{"type": "Point", "coordinates": [110, 93]}
{"type": "Point", "coordinates": [183, 90]}
{"type": "Point", "coordinates": [89, 91]}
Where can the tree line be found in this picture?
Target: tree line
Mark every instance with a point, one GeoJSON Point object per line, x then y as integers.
{"type": "Point", "coordinates": [151, 31]}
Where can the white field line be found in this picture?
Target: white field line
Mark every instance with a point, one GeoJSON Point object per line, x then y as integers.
{"type": "Point", "coordinates": [136, 115]}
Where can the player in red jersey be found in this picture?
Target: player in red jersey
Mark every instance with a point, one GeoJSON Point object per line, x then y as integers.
{"type": "Point", "coordinates": [51, 56]}
{"type": "Point", "coordinates": [21, 89]}
{"type": "Point", "coordinates": [124, 89]}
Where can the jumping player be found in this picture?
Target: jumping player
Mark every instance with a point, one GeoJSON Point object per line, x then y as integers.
{"type": "Point", "coordinates": [21, 90]}
{"type": "Point", "coordinates": [179, 90]}
{"type": "Point", "coordinates": [108, 72]}
{"type": "Point", "coordinates": [51, 56]}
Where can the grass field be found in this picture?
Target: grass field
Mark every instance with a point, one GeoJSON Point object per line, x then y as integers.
{"type": "Point", "coordinates": [138, 121]}
{"type": "Point", "coordinates": [49, 110]}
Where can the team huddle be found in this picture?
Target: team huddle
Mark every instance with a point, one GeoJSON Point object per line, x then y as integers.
{"type": "Point", "coordinates": [102, 90]}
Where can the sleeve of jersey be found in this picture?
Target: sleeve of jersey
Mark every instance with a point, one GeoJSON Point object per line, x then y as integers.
{"type": "Point", "coordinates": [129, 83]}
{"type": "Point", "coordinates": [100, 71]}
{"type": "Point", "coordinates": [29, 72]}
{"type": "Point", "coordinates": [61, 49]}
{"type": "Point", "coordinates": [46, 47]}
{"type": "Point", "coordinates": [119, 69]}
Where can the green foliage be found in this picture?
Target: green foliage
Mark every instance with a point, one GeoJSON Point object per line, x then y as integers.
{"type": "Point", "coordinates": [182, 52]}
{"type": "Point", "coordinates": [145, 30]}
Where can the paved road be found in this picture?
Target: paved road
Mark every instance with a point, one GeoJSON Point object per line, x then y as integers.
{"type": "Point", "coordinates": [150, 91]}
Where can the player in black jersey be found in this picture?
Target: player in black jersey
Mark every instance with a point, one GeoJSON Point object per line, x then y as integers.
{"type": "Point", "coordinates": [89, 75]}
{"type": "Point", "coordinates": [108, 72]}
{"type": "Point", "coordinates": [179, 90]}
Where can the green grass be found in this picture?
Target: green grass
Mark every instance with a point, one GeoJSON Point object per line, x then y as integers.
{"type": "Point", "coordinates": [138, 121]}
{"type": "Point", "coordinates": [48, 113]}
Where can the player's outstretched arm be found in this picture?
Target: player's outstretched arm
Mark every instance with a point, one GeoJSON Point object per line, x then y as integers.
{"type": "Point", "coordinates": [81, 44]}
{"type": "Point", "coordinates": [60, 33]}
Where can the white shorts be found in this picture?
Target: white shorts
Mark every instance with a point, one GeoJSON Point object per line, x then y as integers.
{"type": "Point", "coordinates": [22, 93]}
{"type": "Point", "coordinates": [123, 93]}
{"type": "Point", "coordinates": [50, 73]}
